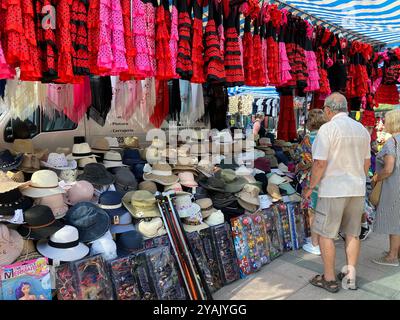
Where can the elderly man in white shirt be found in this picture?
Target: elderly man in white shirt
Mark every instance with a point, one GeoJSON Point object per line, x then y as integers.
{"type": "Point", "coordinates": [341, 154]}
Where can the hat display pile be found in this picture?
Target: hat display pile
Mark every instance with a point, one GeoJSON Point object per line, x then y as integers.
{"type": "Point", "coordinates": [76, 203]}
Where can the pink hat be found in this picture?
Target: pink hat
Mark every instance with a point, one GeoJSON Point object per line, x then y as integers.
{"type": "Point", "coordinates": [55, 203]}
{"type": "Point", "coordinates": [81, 191]}
{"type": "Point", "coordinates": [187, 179]}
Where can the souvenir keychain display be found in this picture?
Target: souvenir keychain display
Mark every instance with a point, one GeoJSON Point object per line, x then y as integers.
{"type": "Point", "coordinates": [254, 254]}
{"type": "Point", "coordinates": [260, 237]}
{"type": "Point", "coordinates": [281, 210]}
{"type": "Point", "coordinates": [272, 231]}
{"type": "Point", "coordinates": [124, 279]}
{"type": "Point", "coordinates": [241, 243]}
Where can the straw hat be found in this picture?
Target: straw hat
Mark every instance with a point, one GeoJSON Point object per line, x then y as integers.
{"type": "Point", "coordinates": [7, 184]}
{"type": "Point", "coordinates": [113, 142]}
{"type": "Point", "coordinates": [141, 204]}
{"type": "Point", "coordinates": [43, 183]}
{"type": "Point", "coordinates": [187, 179]}
{"type": "Point", "coordinates": [26, 146]}
{"type": "Point", "coordinates": [151, 228]}
{"type": "Point", "coordinates": [194, 222]}
{"type": "Point", "coordinates": [249, 194]}
{"type": "Point", "coordinates": [58, 161]}
{"type": "Point", "coordinates": [30, 163]}
{"type": "Point", "coordinates": [100, 145]}
{"type": "Point", "coordinates": [80, 151]}
{"type": "Point", "coordinates": [216, 218]}
{"type": "Point", "coordinates": [85, 161]}
{"type": "Point", "coordinates": [11, 245]}
{"type": "Point", "coordinates": [206, 206]}
{"type": "Point", "coordinates": [131, 142]}
{"type": "Point", "coordinates": [29, 252]}
{"type": "Point", "coordinates": [17, 176]}
{"type": "Point", "coordinates": [160, 173]}
{"type": "Point", "coordinates": [148, 186]}
{"type": "Point", "coordinates": [185, 206]}
{"type": "Point", "coordinates": [113, 159]}
{"type": "Point", "coordinates": [273, 191]}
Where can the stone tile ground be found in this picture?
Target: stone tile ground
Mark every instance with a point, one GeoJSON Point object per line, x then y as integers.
{"type": "Point", "coordinates": [287, 277]}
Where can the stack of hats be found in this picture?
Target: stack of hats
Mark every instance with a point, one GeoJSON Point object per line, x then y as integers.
{"type": "Point", "coordinates": [83, 154]}
{"type": "Point", "coordinates": [31, 155]}
{"type": "Point", "coordinates": [189, 212]}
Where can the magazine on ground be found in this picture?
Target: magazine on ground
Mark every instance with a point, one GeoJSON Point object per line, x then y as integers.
{"type": "Point", "coordinates": [27, 280]}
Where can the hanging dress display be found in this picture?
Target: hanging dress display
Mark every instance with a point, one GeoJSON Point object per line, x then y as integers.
{"type": "Point", "coordinates": [184, 65]}
{"type": "Point", "coordinates": [197, 43]}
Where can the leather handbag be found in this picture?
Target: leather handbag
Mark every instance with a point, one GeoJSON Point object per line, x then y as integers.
{"type": "Point", "coordinates": [375, 194]}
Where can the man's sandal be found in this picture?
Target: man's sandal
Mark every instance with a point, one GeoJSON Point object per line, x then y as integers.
{"type": "Point", "coordinates": [319, 281]}
{"type": "Point", "coordinates": [350, 285]}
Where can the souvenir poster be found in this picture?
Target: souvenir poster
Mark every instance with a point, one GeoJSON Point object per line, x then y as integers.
{"type": "Point", "coordinates": [212, 262]}
{"type": "Point", "coordinates": [164, 275]}
{"type": "Point", "coordinates": [271, 219]}
{"type": "Point", "coordinates": [285, 227]}
{"type": "Point", "coordinates": [27, 280]}
{"type": "Point", "coordinates": [296, 222]}
{"type": "Point", "coordinates": [225, 253]}
{"type": "Point", "coordinates": [254, 254]}
{"type": "Point", "coordinates": [146, 287]}
{"type": "Point", "coordinates": [260, 237]}
{"type": "Point", "coordinates": [199, 254]}
{"type": "Point", "coordinates": [93, 279]}
{"type": "Point", "coordinates": [241, 246]}
{"type": "Point", "coordinates": [156, 242]}
{"type": "Point", "coordinates": [124, 279]}
{"type": "Point", "coordinates": [66, 286]}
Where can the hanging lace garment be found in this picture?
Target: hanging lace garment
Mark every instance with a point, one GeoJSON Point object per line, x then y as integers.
{"type": "Point", "coordinates": [127, 98]}
{"type": "Point", "coordinates": [59, 97]}
{"type": "Point", "coordinates": [197, 111]}
{"type": "Point", "coordinates": [21, 98]}
{"type": "Point", "coordinates": [147, 103]}
{"type": "Point", "coordinates": [82, 99]}
{"type": "Point", "coordinates": [186, 101]}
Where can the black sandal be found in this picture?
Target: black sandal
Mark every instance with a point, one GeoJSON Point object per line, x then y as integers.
{"type": "Point", "coordinates": [320, 282]}
{"type": "Point", "coordinates": [350, 285]}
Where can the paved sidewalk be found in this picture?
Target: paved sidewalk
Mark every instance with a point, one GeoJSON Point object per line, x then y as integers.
{"type": "Point", "coordinates": [287, 277]}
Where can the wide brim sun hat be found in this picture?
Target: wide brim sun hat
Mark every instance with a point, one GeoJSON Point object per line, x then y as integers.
{"type": "Point", "coordinates": [67, 255]}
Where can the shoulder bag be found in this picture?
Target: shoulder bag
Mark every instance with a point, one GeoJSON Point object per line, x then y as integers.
{"type": "Point", "coordinates": [375, 194]}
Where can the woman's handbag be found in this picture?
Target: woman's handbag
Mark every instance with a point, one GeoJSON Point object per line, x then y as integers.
{"type": "Point", "coordinates": [375, 194]}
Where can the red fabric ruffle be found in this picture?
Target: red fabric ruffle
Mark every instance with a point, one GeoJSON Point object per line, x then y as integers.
{"type": "Point", "coordinates": [232, 61]}
{"type": "Point", "coordinates": [163, 51]}
{"type": "Point", "coordinates": [184, 65]}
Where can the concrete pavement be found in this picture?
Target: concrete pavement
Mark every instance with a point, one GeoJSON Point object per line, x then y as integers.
{"type": "Point", "coordinates": [287, 277]}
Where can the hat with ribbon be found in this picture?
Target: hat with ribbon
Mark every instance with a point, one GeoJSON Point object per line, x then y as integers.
{"type": "Point", "coordinates": [113, 159]}
{"type": "Point", "coordinates": [113, 143]}
{"type": "Point", "coordinates": [149, 186]}
{"type": "Point", "coordinates": [63, 245]}
{"type": "Point", "coordinates": [8, 184]}
{"type": "Point", "coordinates": [121, 223]}
{"type": "Point", "coordinates": [233, 183]}
{"type": "Point", "coordinates": [125, 180]}
{"type": "Point", "coordinates": [141, 204]}
{"type": "Point", "coordinates": [194, 222]}
{"type": "Point", "coordinates": [8, 161]}
{"type": "Point", "coordinates": [248, 197]}
{"type": "Point", "coordinates": [160, 173]}
{"type": "Point", "coordinates": [43, 183]}
{"type": "Point", "coordinates": [151, 228]}
{"type": "Point", "coordinates": [96, 173]}
{"type": "Point", "coordinates": [273, 191]}
{"type": "Point", "coordinates": [91, 221]}
{"type": "Point", "coordinates": [58, 161]}
{"type": "Point", "coordinates": [131, 142]}
{"type": "Point", "coordinates": [80, 151]}
{"type": "Point", "coordinates": [40, 223]}
{"type": "Point", "coordinates": [55, 203]}
{"type": "Point", "coordinates": [82, 163]}
{"type": "Point", "coordinates": [100, 145]}
{"type": "Point", "coordinates": [11, 245]}
{"type": "Point", "coordinates": [13, 200]}
{"type": "Point", "coordinates": [206, 206]}
{"type": "Point", "coordinates": [111, 202]}
{"type": "Point", "coordinates": [216, 218]}
{"type": "Point", "coordinates": [186, 179]}
{"type": "Point", "coordinates": [81, 191]}
{"type": "Point", "coordinates": [184, 205]}
{"type": "Point", "coordinates": [129, 242]}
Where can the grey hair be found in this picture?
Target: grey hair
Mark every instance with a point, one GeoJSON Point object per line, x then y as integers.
{"type": "Point", "coordinates": [336, 102]}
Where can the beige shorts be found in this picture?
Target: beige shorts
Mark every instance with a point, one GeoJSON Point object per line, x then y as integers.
{"type": "Point", "coordinates": [338, 214]}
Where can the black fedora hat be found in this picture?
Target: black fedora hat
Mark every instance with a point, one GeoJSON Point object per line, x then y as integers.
{"type": "Point", "coordinates": [129, 242]}
{"type": "Point", "coordinates": [91, 221]}
{"type": "Point", "coordinates": [40, 223]}
{"type": "Point", "coordinates": [213, 184]}
{"type": "Point", "coordinates": [97, 174]}
{"type": "Point", "coordinates": [125, 180]}
{"type": "Point", "coordinates": [9, 162]}
{"type": "Point", "coordinates": [232, 210]}
{"type": "Point", "coordinates": [221, 200]}
{"type": "Point", "coordinates": [13, 200]}
{"type": "Point", "coordinates": [201, 193]}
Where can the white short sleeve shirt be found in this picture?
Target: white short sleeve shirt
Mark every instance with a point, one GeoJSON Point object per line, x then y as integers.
{"type": "Point", "coordinates": [345, 144]}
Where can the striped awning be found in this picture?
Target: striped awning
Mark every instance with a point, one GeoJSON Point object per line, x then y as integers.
{"type": "Point", "coordinates": [373, 21]}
